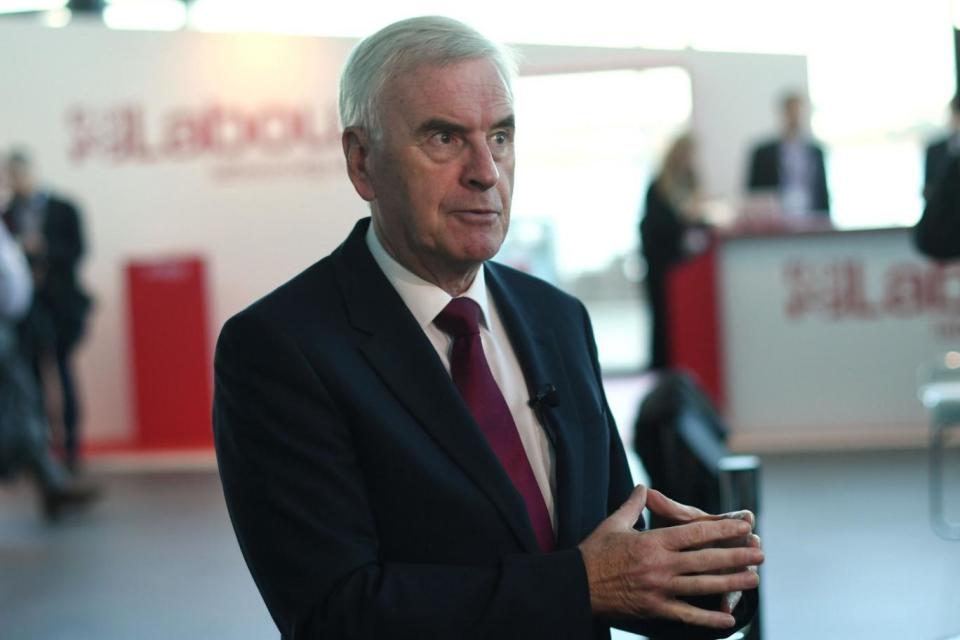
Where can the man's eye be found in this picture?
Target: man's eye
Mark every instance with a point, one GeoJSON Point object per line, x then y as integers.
{"type": "Point", "coordinates": [443, 137]}
{"type": "Point", "coordinates": [501, 137]}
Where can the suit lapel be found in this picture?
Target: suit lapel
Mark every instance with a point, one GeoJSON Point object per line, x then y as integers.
{"type": "Point", "coordinates": [539, 356]}
{"type": "Point", "coordinates": [403, 356]}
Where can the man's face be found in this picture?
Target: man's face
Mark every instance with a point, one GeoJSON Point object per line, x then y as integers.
{"type": "Point", "coordinates": [441, 176]}
{"type": "Point", "coordinates": [20, 180]}
{"type": "Point", "coordinates": [793, 115]}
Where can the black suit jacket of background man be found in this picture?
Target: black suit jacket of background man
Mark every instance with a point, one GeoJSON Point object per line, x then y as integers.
{"type": "Point", "coordinates": [366, 500]}
{"type": "Point", "coordinates": [765, 173]}
{"type": "Point", "coordinates": [936, 160]}
{"type": "Point", "coordinates": [937, 233]}
{"type": "Point", "coordinates": [60, 292]}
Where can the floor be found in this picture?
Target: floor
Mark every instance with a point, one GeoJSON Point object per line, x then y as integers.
{"type": "Point", "coordinates": [851, 555]}
{"type": "Point", "coordinates": [155, 561]}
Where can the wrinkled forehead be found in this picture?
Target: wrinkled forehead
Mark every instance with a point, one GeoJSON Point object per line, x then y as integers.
{"type": "Point", "coordinates": [404, 66]}
{"type": "Point", "coordinates": [467, 85]}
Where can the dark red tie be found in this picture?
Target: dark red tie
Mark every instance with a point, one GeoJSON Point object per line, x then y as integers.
{"type": "Point", "coordinates": [471, 374]}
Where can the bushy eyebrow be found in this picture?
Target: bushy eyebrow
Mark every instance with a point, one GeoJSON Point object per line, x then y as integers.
{"type": "Point", "coordinates": [507, 123]}
{"type": "Point", "coordinates": [439, 124]}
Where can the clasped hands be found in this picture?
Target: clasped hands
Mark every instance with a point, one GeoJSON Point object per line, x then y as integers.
{"type": "Point", "coordinates": [644, 574]}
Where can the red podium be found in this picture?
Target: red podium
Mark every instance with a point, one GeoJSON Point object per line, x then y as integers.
{"type": "Point", "coordinates": [170, 351]}
{"type": "Point", "coordinates": [696, 334]}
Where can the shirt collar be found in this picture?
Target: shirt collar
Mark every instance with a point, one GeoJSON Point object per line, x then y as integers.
{"type": "Point", "coordinates": [424, 299]}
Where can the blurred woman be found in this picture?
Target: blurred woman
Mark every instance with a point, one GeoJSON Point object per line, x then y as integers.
{"type": "Point", "coordinates": [672, 229]}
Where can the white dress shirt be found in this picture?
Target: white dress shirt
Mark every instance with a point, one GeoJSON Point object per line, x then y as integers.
{"type": "Point", "coordinates": [426, 301]}
{"type": "Point", "coordinates": [796, 185]}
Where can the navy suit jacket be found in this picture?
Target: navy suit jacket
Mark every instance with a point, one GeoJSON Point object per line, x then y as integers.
{"type": "Point", "coordinates": [367, 502]}
{"type": "Point", "coordinates": [765, 169]}
{"type": "Point", "coordinates": [937, 233]}
{"type": "Point", "coordinates": [936, 161]}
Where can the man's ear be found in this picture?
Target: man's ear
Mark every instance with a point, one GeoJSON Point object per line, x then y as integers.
{"type": "Point", "coordinates": [356, 149]}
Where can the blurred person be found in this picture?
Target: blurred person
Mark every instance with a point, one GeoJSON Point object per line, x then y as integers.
{"type": "Point", "coordinates": [940, 152]}
{"type": "Point", "coordinates": [937, 234]}
{"type": "Point", "coordinates": [672, 229]}
{"type": "Point", "coordinates": [792, 165]}
{"type": "Point", "coordinates": [23, 429]}
{"type": "Point", "coordinates": [413, 440]}
{"type": "Point", "coordinates": [50, 230]}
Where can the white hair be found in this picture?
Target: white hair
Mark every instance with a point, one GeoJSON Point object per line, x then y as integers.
{"type": "Point", "coordinates": [401, 47]}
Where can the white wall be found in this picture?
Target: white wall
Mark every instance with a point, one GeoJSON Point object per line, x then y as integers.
{"type": "Point", "coordinates": [261, 215]}
{"type": "Point", "coordinates": [734, 96]}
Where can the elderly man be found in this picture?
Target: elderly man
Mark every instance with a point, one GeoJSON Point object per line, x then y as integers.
{"type": "Point", "coordinates": [413, 440]}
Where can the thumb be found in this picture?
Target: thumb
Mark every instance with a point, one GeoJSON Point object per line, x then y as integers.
{"type": "Point", "coordinates": [673, 510]}
{"type": "Point", "coordinates": [629, 512]}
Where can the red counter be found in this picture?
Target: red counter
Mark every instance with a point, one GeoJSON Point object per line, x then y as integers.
{"type": "Point", "coordinates": [815, 339]}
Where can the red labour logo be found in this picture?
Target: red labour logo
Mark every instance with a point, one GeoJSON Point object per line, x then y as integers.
{"type": "Point", "coordinates": [845, 289]}
{"type": "Point", "coordinates": [126, 134]}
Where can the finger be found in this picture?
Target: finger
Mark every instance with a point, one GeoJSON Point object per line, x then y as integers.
{"type": "Point", "coordinates": [671, 509]}
{"type": "Point", "coordinates": [746, 541]}
{"type": "Point", "coordinates": [685, 612]}
{"type": "Point", "coordinates": [629, 512]}
{"type": "Point", "coordinates": [697, 534]}
{"type": "Point", "coordinates": [713, 560]}
{"type": "Point", "coordinates": [743, 514]}
{"type": "Point", "coordinates": [746, 516]}
{"type": "Point", "coordinates": [713, 584]}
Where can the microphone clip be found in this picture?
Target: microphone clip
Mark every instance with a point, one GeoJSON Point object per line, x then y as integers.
{"type": "Point", "coordinates": [545, 396]}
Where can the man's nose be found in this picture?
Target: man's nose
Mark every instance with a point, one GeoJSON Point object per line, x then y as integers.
{"type": "Point", "coordinates": [481, 171]}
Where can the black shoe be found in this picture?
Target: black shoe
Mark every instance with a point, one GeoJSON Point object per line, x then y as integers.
{"type": "Point", "coordinates": [73, 495]}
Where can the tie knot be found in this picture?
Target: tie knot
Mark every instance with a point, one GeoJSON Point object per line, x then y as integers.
{"type": "Point", "coordinates": [460, 318]}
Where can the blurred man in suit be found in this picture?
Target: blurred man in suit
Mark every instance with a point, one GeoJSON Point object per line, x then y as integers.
{"type": "Point", "coordinates": [23, 427]}
{"type": "Point", "coordinates": [413, 440]}
{"type": "Point", "coordinates": [941, 151]}
{"type": "Point", "coordinates": [792, 165]}
{"type": "Point", "coordinates": [937, 233]}
{"type": "Point", "coordinates": [50, 230]}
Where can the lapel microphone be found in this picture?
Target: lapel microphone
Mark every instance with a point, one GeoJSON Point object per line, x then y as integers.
{"type": "Point", "coordinates": [545, 396]}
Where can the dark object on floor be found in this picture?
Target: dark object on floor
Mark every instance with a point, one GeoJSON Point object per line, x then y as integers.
{"type": "Point", "coordinates": [72, 496]}
{"type": "Point", "coordinates": [680, 438]}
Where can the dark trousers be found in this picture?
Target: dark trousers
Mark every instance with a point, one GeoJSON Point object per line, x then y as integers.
{"type": "Point", "coordinates": [71, 405]}
{"type": "Point", "coordinates": [23, 428]}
